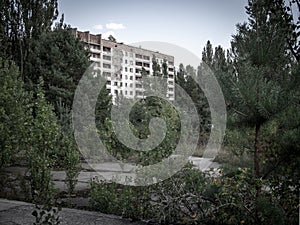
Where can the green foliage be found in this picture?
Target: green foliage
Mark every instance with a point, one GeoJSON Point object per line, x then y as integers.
{"type": "Point", "coordinates": [46, 216]}
{"type": "Point", "coordinates": [156, 67]}
{"type": "Point", "coordinates": [15, 114]}
{"type": "Point", "coordinates": [43, 146]}
{"type": "Point", "coordinates": [185, 80]}
{"type": "Point", "coordinates": [61, 60]}
{"type": "Point", "coordinates": [140, 117]}
{"type": "Point", "coordinates": [139, 120]}
{"type": "Point", "coordinates": [72, 167]}
{"type": "Point", "coordinates": [166, 202]}
{"type": "Point", "coordinates": [20, 21]}
{"type": "Point", "coordinates": [261, 90]}
{"type": "Point", "coordinates": [193, 197]}
{"type": "Point", "coordinates": [260, 86]}
{"type": "Point", "coordinates": [207, 54]}
{"type": "Point", "coordinates": [45, 133]}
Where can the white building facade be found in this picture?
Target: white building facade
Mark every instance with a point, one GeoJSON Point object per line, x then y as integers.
{"type": "Point", "coordinates": [122, 65]}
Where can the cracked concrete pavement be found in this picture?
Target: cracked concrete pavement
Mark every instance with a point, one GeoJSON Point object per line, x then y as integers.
{"type": "Point", "coordinates": [19, 213]}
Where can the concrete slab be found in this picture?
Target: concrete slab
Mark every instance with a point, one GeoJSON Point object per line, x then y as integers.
{"type": "Point", "coordinates": [9, 204]}
{"type": "Point", "coordinates": [19, 213]}
{"type": "Point", "coordinates": [109, 166]}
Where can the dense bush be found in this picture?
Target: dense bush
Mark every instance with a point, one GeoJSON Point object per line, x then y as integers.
{"type": "Point", "coordinates": [193, 197]}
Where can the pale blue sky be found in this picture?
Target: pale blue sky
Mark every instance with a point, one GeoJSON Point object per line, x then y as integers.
{"type": "Point", "coordinates": [186, 23]}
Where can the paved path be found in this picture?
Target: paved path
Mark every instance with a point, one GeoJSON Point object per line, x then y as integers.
{"type": "Point", "coordinates": [105, 171]}
{"type": "Point", "coordinates": [19, 213]}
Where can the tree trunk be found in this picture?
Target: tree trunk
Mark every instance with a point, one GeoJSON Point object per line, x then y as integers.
{"type": "Point", "coordinates": [257, 170]}
{"type": "Point", "coordinates": [257, 151]}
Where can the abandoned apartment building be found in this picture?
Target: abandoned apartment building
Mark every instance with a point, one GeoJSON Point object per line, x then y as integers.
{"type": "Point", "coordinates": [122, 65]}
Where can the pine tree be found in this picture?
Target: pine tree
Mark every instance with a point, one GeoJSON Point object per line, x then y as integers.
{"type": "Point", "coordinates": [261, 94]}
{"type": "Point", "coordinates": [207, 54]}
{"type": "Point", "coordinates": [219, 60]}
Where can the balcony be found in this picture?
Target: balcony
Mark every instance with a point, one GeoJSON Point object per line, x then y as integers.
{"type": "Point", "coordinates": [106, 58]}
{"type": "Point", "coordinates": [93, 50]}
{"type": "Point", "coordinates": [106, 66]}
{"type": "Point", "coordinates": [138, 63]}
{"type": "Point", "coordinates": [106, 50]}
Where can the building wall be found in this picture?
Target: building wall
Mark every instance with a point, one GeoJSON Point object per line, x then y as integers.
{"type": "Point", "coordinates": [121, 65]}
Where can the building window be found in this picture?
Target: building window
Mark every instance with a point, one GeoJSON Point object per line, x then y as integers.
{"type": "Point", "coordinates": [146, 57]}
{"type": "Point", "coordinates": [106, 74]}
{"type": "Point", "coordinates": [138, 63]}
{"type": "Point", "coordinates": [126, 77]}
{"type": "Point", "coordinates": [107, 66]}
{"type": "Point", "coordinates": [131, 63]}
{"type": "Point", "coordinates": [116, 84]}
{"type": "Point", "coordinates": [138, 56]}
{"type": "Point", "coordinates": [116, 92]}
{"type": "Point", "coordinates": [131, 54]}
{"type": "Point", "coordinates": [131, 78]}
{"type": "Point", "coordinates": [125, 92]}
{"type": "Point", "coordinates": [131, 70]}
{"type": "Point", "coordinates": [94, 55]}
{"type": "Point", "coordinates": [131, 93]}
{"type": "Point", "coordinates": [97, 47]}
{"type": "Point", "coordinates": [131, 85]}
{"type": "Point", "coordinates": [106, 49]}
{"type": "Point", "coordinates": [126, 61]}
{"type": "Point", "coordinates": [146, 65]}
{"type": "Point", "coordinates": [126, 70]}
{"type": "Point", "coordinates": [107, 57]}
{"type": "Point", "coordinates": [126, 54]}
{"type": "Point", "coordinates": [108, 82]}
{"type": "Point", "coordinates": [125, 84]}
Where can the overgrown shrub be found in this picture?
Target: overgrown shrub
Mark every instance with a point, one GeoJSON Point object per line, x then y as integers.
{"type": "Point", "coordinates": [193, 197]}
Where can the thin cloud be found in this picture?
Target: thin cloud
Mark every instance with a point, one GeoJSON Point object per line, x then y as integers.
{"type": "Point", "coordinates": [115, 26]}
{"type": "Point", "coordinates": [98, 27]}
